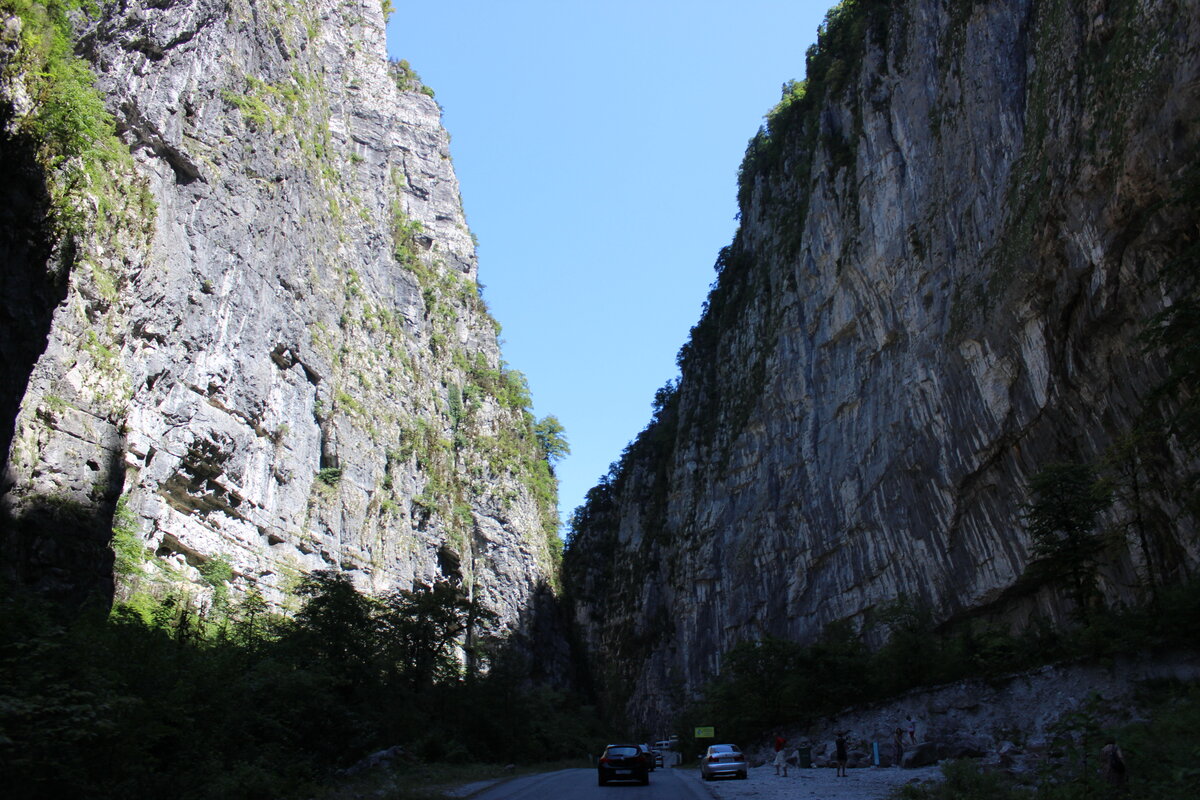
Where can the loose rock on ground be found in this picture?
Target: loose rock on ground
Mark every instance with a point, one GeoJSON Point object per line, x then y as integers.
{"type": "Point", "coordinates": [871, 783]}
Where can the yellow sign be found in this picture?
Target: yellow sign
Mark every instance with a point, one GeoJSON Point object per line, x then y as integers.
{"type": "Point", "coordinates": [705, 733]}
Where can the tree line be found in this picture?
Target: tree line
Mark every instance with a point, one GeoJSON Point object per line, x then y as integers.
{"type": "Point", "coordinates": [165, 701]}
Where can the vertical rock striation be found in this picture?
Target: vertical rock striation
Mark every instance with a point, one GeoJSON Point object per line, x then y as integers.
{"type": "Point", "coordinates": [951, 237]}
{"type": "Point", "coordinates": [270, 347]}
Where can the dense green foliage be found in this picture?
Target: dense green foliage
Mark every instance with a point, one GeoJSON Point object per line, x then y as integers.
{"type": "Point", "coordinates": [772, 682]}
{"type": "Point", "coordinates": [1162, 754]}
{"type": "Point", "coordinates": [70, 118]}
{"type": "Point", "coordinates": [171, 704]}
{"type": "Point", "coordinates": [128, 548]}
{"type": "Point", "coordinates": [75, 133]}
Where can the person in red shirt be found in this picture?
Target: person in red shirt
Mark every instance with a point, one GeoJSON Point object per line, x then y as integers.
{"type": "Point", "coordinates": [780, 754]}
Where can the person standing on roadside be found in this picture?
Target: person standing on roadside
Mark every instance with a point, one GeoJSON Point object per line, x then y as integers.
{"type": "Point", "coordinates": [1112, 764]}
{"type": "Point", "coordinates": [898, 745]}
{"type": "Point", "coordinates": [912, 729]}
{"type": "Point", "coordinates": [840, 754]}
{"type": "Point", "coordinates": [780, 753]}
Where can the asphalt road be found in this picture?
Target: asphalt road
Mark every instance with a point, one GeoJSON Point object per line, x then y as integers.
{"type": "Point", "coordinates": [580, 784]}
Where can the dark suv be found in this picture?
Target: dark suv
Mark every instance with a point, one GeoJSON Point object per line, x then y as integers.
{"type": "Point", "coordinates": [623, 762]}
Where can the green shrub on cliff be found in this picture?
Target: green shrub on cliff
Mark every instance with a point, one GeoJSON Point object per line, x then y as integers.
{"type": "Point", "coordinates": [75, 134]}
{"type": "Point", "coordinates": [406, 78]}
{"type": "Point", "coordinates": [69, 117]}
{"type": "Point", "coordinates": [791, 126]}
{"type": "Point", "coordinates": [129, 550]}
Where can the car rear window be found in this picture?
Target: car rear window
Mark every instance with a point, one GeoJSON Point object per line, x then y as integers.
{"type": "Point", "coordinates": [622, 751]}
{"type": "Point", "coordinates": [724, 748]}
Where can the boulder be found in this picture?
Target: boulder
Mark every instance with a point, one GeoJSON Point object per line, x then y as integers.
{"type": "Point", "coordinates": [376, 759]}
{"type": "Point", "coordinates": [964, 747]}
{"type": "Point", "coordinates": [924, 754]}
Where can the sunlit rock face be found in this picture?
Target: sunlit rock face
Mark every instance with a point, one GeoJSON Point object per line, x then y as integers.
{"type": "Point", "coordinates": [279, 358]}
{"type": "Point", "coordinates": [936, 290]}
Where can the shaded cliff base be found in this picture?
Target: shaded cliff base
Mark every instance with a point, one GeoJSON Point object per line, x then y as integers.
{"type": "Point", "coordinates": [774, 683]}
{"type": "Point", "coordinates": [59, 548]}
{"type": "Point", "coordinates": [1034, 735]}
{"type": "Point", "coordinates": [32, 284]}
{"type": "Point", "coordinates": [1019, 722]}
{"type": "Point", "coordinates": [1041, 734]}
{"type": "Point", "coordinates": [1130, 676]}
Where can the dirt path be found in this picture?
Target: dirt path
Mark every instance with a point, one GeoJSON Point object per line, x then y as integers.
{"type": "Point", "coordinates": [823, 783]}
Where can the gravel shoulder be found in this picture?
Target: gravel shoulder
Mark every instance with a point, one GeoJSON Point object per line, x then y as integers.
{"type": "Point", "coordinates": [870, 783]}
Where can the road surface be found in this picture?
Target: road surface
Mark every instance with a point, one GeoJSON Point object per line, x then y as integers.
{"type": "Point", "coordinates": [580, 784]}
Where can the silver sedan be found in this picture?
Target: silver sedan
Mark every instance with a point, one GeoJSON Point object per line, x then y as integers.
{"type": "Point", "coordinates": [722, 759]}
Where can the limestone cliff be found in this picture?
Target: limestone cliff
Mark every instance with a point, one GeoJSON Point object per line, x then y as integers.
{"type": "Point", "coordinates": [951, 237]}
{"type": "Point", "coordinates": [249, 325]}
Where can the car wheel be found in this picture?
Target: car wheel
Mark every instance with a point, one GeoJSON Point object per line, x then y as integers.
{"type": "Point", "coordinates": [645, 780]}
{"type": "Point", "coordinates": [742, 775]}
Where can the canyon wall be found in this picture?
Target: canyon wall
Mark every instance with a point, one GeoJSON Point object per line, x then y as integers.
{"type": "Point", "coordinates": [952, 236]}
{"type": "Point", "coordinates": [247, 331]}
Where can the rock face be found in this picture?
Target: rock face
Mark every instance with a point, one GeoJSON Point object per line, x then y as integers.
{"type": "Point", "coordinates": [950, 240]}
{"type": "Point", "coordinates": [1009, 721]}
{"type": "Point", "coordinates": [266, 345]}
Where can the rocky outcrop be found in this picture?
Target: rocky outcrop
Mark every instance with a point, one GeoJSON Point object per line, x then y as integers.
{"type": "Point", "coordinates": [951, 237]}
{"type": "Point", "coordinates": [1011, 721]}
{"type": "Point", "coordinates": [269, 348]}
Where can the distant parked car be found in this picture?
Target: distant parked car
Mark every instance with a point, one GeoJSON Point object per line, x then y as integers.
{"type": "Point", "coordinates": [623, 762]}
{"type": "Point", "coordinates": [658, 757]}
{"type": "Point", "coordinates": [648, 751]}
{"type": "Point", "coordinates": [722, 759]}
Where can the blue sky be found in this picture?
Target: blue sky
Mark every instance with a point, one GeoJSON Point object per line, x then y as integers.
{"type": "Point", "coordinates": [597, 145]}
